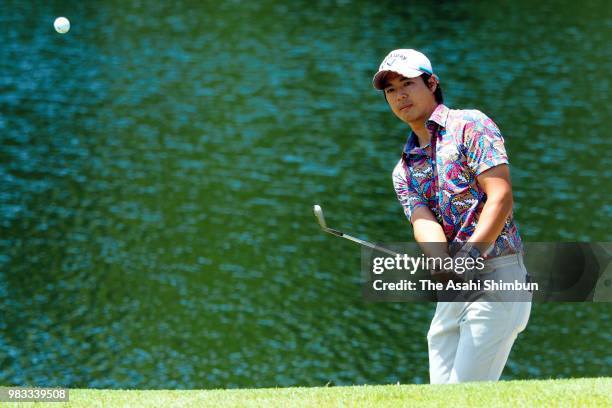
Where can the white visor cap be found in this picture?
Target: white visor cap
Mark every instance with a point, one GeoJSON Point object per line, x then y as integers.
{"type": "Point", "coordinates": [407, 62]}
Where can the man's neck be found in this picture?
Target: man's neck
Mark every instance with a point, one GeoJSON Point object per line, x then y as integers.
{"type": "Point", "coordinates": [420, 129]}
{"type": "Point", "coordinates": [422, 134]}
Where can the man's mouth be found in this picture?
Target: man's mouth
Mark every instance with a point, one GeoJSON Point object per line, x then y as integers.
{"type": "Point", "coordinates": [406, 106]}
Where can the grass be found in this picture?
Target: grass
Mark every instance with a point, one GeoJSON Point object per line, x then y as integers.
{"type": "Point", "coordinates": [583, 392]}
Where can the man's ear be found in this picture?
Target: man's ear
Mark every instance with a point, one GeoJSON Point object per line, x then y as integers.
{"type": "Point", "coordinates": [433, 85]}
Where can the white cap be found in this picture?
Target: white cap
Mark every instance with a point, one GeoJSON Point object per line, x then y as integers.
{"type": "Point", "coordinates": [409, 63]}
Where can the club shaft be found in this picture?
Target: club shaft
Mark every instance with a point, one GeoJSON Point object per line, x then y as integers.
{"type": "Point", "coordinates": [360, 241]}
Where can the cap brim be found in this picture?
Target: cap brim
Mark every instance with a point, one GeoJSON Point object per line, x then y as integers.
{"type": "Point", "coordinates": [378, 80]}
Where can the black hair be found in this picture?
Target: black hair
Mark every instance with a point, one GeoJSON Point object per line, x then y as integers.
{"type": "Point", "coordinates": [438, 92]}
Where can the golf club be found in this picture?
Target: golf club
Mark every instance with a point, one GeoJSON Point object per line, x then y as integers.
{"type": "Point", "coordinates": [318, 211]}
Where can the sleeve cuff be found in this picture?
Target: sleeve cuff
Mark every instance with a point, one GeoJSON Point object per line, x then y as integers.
{"type": "Point", "coordinates": [482, 167]}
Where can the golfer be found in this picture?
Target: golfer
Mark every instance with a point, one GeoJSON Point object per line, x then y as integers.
{"type": "Point", "coordinates": [453, 182]}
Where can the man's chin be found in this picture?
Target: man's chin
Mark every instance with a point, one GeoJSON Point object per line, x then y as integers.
{"type": "Point", "coordinates": [410, 117]}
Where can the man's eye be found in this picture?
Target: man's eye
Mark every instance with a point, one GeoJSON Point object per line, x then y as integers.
{"type": "Point", "coordinates": [388, 90]}
{"type": "Point", "coordinates": [407, 83]}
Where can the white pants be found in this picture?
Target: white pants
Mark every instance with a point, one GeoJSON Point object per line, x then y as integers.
{"type": "Point", "coordinates": [471, 341]}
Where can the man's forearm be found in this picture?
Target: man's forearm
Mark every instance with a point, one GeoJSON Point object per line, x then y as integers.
{"type": "Point", "coordinates": [429, 234]}
{"type": "Point", "coordinates": [491, 222]}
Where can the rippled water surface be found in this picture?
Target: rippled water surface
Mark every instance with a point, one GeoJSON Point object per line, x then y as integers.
{"type": "Point", "coordinates": [159, 163]}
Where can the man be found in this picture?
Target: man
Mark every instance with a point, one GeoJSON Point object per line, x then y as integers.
{"type": "Point", "coordinates": [453, 182]}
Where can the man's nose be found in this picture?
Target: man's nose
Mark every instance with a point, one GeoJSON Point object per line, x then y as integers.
{"type": "Point", "coordinates": [402, 95]}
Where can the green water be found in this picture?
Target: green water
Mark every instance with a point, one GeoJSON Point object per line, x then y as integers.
{"type": "Point", "coordinates": [159, 163]}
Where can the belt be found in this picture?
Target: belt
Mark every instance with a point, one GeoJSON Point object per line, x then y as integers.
{"type": "Point", "coordinates": [505, 260]}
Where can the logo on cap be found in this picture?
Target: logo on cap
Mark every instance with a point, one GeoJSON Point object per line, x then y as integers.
{"type": "Point", "coordinates": [390, 63]}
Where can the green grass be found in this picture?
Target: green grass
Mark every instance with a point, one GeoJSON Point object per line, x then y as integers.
{"type": "Point", "coordinates": [583, 392]}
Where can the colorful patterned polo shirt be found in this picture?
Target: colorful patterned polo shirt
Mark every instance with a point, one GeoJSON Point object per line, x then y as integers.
{"type": "Point", "coordinates": [442, 175]}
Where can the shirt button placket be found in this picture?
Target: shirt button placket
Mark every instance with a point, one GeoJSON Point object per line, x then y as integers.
{"type": "Point", "coordinates": [432, 160]}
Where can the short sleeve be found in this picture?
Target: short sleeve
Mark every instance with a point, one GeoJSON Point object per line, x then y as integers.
{"type": "Point", "coordinates": [484, 144]}
{"type": "Point", "coordinates": [407, 194]}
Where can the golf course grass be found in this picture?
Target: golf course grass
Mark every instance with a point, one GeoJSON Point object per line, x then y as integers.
{"type": "Point", "coordinates": [583, 392]}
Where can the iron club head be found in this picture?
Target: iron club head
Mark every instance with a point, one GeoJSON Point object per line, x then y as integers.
{"type": "Point", "coordinates": [318, 212]}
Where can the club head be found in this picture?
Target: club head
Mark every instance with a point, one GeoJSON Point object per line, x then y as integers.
{"type": "Point", "coordinates": [318, 212]}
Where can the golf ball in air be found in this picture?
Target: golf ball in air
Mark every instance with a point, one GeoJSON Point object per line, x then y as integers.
{"type": "Point", "coordinates": [62, 25]}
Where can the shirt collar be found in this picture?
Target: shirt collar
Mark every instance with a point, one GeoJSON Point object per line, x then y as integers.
{"type": "Point", "coordinates": [412, 142]}
{"type": "Point", "coordinates": [438, 116]}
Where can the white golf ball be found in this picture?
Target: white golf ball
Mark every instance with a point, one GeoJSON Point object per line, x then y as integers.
{"type": "Point", "coordinates": [62, 25]}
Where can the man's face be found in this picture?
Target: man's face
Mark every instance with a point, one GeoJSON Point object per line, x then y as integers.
{"type": "Point", "coordinates": [409, 98]}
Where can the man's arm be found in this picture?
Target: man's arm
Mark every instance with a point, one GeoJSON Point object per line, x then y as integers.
{"type": "Point", "coordinates": [496, 184]}
{"type": "Point", "coordinates": [486, 157]}
{"type": "Point", "coordinates": [429, 233]}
